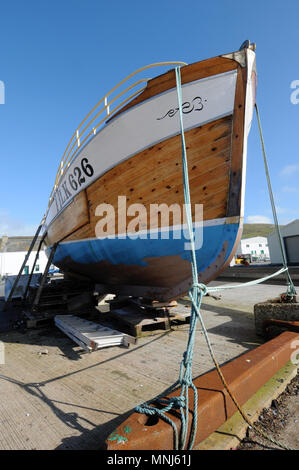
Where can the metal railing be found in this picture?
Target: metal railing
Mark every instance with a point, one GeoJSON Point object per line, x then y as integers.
{"type": "Point", "coordinates": [91, 124]}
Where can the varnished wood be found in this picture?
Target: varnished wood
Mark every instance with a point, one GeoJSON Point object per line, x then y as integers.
{"type": "Point", "coordinates": [189, 73]}
{"type": "Point", "coordinates": [201, 143]}
{"type": "Point", "coordinates": [235, 191]}
{"type": "Point", "coordinates": [74, 216]}
{"type": "Point", "coordinates": [155, 176]}
{"type": "Point", "coordinates": [237, 185]}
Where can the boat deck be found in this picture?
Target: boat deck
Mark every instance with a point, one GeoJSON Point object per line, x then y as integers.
{"type": "Point", "coordinates": [55, 397]}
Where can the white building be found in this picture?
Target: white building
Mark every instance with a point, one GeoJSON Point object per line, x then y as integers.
{"type": "Point", "coordinates": [257, 247]}
{"type": "Point", "coordinates": [12, 253]}
{"type": "Point", "coordinates": [290, 236]}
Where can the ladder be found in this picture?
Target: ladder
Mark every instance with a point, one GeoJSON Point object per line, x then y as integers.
{"type": "Point", "coordinates": [44, 276]}
{"type": "Point", "coordinates": [90, 335]}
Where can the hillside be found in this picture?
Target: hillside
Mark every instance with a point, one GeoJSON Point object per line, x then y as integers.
{"type": "Point", "coordinates": [257, 230]}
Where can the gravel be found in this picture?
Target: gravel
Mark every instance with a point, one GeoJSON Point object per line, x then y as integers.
{"type": "Point", "coordinates": [280, 422]}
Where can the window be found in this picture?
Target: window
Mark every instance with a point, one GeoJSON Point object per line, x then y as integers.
{"type": "Point", "coordinates": [247, 246]}
{"type": "Point", "coordinates": [260, 245]}
{"type": "Point", "coordinates": [26, 270]}
{"type": "Point", "coordinates": [262, 252]}
{"type": "Point", "coordinates": [36, 268]}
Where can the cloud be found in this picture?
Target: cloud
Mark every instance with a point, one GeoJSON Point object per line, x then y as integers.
{"type": "Point", "coordinates": [285, 220]}
{"type": "Point", "coordinates": [287, 210]}
{"type": "Point", "coordinates": [283, 210]}
{"type": "Point", "coordinates": [290, 189]}
{"type": "Point", "coordinates": [289, 170]}
{"type": "Point", "coordinates": [12, 226]}
{"type": "Point", "coordinates": [258, 219]}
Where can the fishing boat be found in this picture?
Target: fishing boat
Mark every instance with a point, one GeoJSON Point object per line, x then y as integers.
{"type": "Point", "coordinates": [113, 214]}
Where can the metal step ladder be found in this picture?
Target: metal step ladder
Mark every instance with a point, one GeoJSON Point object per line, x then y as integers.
{"type": "Point", "coordinates": [44, 275]}
{"type": "Point", "coordinates": [90, 335]}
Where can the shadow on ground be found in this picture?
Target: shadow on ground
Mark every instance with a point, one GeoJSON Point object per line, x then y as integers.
{"type": "Point", "coordinates": [240, 329]}
{"type": "Point", "coordinates": [87, 439]}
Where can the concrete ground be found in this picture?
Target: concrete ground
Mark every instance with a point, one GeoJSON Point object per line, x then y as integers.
{"type": "Point", "coordinates": [53, 396]}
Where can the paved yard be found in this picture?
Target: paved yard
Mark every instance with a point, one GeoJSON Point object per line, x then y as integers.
{"type": "Point", "coordinates": [69, 400]}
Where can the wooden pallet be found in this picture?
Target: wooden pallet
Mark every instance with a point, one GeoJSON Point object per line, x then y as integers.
{"type": "Point", "coordinates": [38, 320]}
{"type": "Point", "coordinates": [142, 322]}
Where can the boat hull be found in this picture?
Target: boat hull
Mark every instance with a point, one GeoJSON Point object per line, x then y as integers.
{"type": "Point", "coordinates": [136, 161]}
{"type": "Point", "coordinates": [157, 267]}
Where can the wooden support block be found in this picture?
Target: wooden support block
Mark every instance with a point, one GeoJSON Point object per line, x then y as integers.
{"type": "Point", "coordinates": [142, 322]}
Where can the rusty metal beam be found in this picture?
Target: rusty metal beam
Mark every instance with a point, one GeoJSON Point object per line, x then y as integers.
{"type": "Point", "coordinates": [245, 375]}
{"type": "Point", "coordinates": [289, 325]}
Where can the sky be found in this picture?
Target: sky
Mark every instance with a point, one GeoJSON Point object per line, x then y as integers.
{"type": "Point", "coordinates": [58, 58]}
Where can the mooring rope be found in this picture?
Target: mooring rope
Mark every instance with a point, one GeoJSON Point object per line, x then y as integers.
{"type": "Point", "coordinates": [291, 288]}
{"type": "Point", "coordinates": [196, 293]}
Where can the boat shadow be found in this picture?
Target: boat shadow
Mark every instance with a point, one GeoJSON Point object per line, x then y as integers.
{"type": "Point", "coordinates": [89, 435]}
{"type": "Point", "coordinates": [88, 439]}
{"type": "Point", "coordinates": [93, 439]}
{"type": "Point", "coordinates": [239, 330]}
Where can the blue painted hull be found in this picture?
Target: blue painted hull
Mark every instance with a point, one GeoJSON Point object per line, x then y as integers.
{"type": "Point", "coordinates": [161, 263]}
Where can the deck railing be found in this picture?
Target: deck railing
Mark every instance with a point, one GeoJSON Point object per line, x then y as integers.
{"type": "Point", "coordinates": [99, 114]}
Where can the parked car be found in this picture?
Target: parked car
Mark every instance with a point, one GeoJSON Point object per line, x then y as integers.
{"type": "Point", "coordinates": [53, 270]}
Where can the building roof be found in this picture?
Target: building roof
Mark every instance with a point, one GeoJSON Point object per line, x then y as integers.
{"type": "Point", "coordinates": [255, 240]}
{"type": "Point", "coordinates": [15, 244]}
{"type": "Point", "coordinates": [284, 227]}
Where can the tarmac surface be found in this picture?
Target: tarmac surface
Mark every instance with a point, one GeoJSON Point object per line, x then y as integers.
{"type": "Point", "coordinates": [53, 396]}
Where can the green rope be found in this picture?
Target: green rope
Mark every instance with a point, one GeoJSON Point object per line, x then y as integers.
{"type": "Point", "coordinates": [247, 284]}
{"type": "Point", "coordinates": [291, 289]}
{"type": "Point", "coordinates": [196, 293]}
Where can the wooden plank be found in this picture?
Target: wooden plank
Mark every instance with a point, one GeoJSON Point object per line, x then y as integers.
{"type": "Point", "coordinates": [161, 180]}
{"type": "Point", "coordinates": [189, 73]}
{"type": "Point", "coordinates": [237, 184]}
{"type": "Point", "coordinates": [154, 176]}
{"type": "Point", "coordinates": [74, 216]}
{"type": "Point", "coordinates": [235, 195]}
{"type": "Point", "coordinates": [157, 181]}
{"type": "Point", "coordinates": [144, 322]}
{"type": "Point", "coordinates": [212, 195]}
{"type": "Point", "coordinates": [164, 157]}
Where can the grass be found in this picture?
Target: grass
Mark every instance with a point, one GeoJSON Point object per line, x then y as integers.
{"type": "Point", "coordinates": [257, 230]}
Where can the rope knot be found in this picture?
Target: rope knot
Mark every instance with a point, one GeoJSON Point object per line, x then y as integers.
{"type": "Point", "coordinates": [178, 402]}
{"type": "Point", "coordinates": [200, 286]}
{"type": "Point", "coordinates": [186, 381]}
{"type": "Point", "coordinates": [187, 360]}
